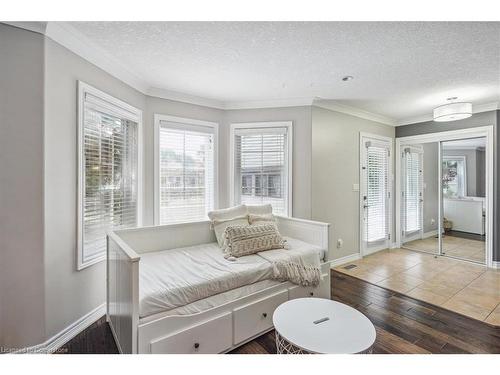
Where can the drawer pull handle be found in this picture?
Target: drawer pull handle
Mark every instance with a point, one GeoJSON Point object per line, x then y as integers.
{"type": "Point", "coordinates": [264, 315]}
{"type": "Point", "coordinates": [196, 345]}
{"type": "Point", "coordinates": [311, 294]}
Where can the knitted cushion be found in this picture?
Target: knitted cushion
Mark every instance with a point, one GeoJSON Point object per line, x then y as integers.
{"type": "Point", "coordinates": [221, 225]}
{"type": "Point", "coordinates": [246, 240]}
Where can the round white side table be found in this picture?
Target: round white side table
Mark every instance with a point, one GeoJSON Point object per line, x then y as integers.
{"type": "Point", "coordinates": [317, 325]}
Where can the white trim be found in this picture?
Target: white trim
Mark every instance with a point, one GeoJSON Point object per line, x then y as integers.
{"type": "Point", "coordinates": [362, 137]}
{"type": "Point", "coordinates": [35, 26]}
{"type": "Point", "coordinates": [184, 98]}
{"type": "Point", "coordinates": [332, 105]}
{"type": "Point", "coordinates": [158, 118]}
{"type": "Point", "coordinates": [271, 103]}
{"type": "Point", "coordinates": [495, 264]}
{"type": "Point", "coordinates": [347, 259]}
{"type": "Point", "coordinates": [130, 112]}
{"type": "Point", "coordinates": [479, 108]}
{"type": "Point", "coordinates": [59, 339]}
{"type": "Point", "coordinates": [483, 131]}
{"type": "Point", "coordinates": [66, 35]}
{"type": "Point", "coordinates": [289, 155]}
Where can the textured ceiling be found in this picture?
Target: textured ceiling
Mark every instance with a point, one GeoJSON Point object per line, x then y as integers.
{"type": "Point", "coordinates": [402, 69]}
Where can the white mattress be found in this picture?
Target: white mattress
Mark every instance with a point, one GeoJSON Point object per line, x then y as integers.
{"type": "Point", "coordinates": [176, 278]}
{"type": "Point", "coordinates": [213, 301]}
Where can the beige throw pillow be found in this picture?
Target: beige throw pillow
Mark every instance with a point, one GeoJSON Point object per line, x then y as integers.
{"type": "Point", "coordinates": [221, 225]}
{"type": "Point", "coordinates": [246, 240]}
{"type": "Point", "coordinates": [222, 218]}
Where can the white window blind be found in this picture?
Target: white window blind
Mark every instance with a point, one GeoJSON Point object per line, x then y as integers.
{"type": "Point", "coordinates": [413, 190]}
{"type": "Point", "coordinates": [261, 167]}
{"type": "Point", "coordinates": [109, 174]}
{"type": "Point", "coordinates": [186, 172]}
{"type": "Point", "coordinates": [377, 192]}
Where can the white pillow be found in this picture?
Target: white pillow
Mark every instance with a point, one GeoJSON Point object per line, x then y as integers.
{"type": "Point", "coordinates": [225, 217]}
{"type": "Point", "coordinates": [228, 213]}
{"type": "Point", "coordinates": [259, 209]}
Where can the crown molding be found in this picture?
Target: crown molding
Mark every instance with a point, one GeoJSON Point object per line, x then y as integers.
{"type": "Point", "coordinates": [476, 108]}
{"type": "Point", "coordinates": [185, 98]}
{"type": "Point", "coordinates": [35, 26]}
{"type": "Point", "coordinates": [353, 111]}
{"type": "Point", "coordinates": [273, 103]}
{"type": "Point", "coordinates": [66, 35]}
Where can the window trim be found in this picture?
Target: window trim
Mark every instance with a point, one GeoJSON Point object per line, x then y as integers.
{"type": "Point", "coordinates": [463, 159]}
{"type": "Point", "coordinates": [126, 111]}
{"type": "Point", "coordinates": [188, 122]}
{"type": "Point", "coordinates": [252, 126]}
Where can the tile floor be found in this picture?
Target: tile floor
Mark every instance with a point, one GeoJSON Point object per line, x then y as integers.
{"type": "Point", "coordinates": [463, 248]}
{"type": "Point", "coordinates": [468, 289]}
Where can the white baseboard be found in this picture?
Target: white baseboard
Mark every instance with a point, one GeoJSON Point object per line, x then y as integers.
{"type": "Point", "coordinates": [495, 264]}
{"type": "Point", "coordinates": [343, 260]}
{"type": "Point", "coordinates": [61, 338]}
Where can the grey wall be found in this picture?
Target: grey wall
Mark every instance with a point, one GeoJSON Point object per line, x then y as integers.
{"type": "Point", "coordinates": [335, 168]}
{"type": "Point", "coordinates": [21, 188]}
{"type": "Point", "coordinates": [478, 119]}
{"type": "Point", "coordinates": [69, 294]}
{"type": "Point", "coordinates": [301, 118]}
{"type": "Point", "coordinates": [431, 191]}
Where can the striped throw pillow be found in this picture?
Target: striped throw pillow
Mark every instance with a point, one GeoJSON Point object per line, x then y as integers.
{"type": "Point", "coordinates": [246, 240]}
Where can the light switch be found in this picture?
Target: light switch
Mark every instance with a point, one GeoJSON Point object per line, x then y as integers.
{"type": "Point", "coordinates": [355, 187]}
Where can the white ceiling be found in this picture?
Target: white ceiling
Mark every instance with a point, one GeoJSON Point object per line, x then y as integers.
{"type": "Point", "coordinates": [402, 70]}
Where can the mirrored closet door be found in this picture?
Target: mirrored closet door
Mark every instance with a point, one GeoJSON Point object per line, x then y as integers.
{"type": "Point", "coordinates": [443, 198]}
{"type": "Point", "coordinates": [420, 197]}
{"type": "Point", "coordinates": [463, 185]}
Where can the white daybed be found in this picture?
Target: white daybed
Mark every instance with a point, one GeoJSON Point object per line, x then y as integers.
{"type": "Point", "coordinates": [146, 319]}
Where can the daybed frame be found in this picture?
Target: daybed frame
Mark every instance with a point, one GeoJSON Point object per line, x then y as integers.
{"type": "Point", "coordinates": [216, 330]}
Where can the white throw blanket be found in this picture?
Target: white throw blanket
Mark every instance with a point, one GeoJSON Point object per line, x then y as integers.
{"type": "Point", "coordinates": [297, 267]}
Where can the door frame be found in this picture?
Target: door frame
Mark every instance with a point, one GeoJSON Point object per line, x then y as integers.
{"type": "Point", "coordinates": [363, 135]}
{"type": "Point", "coordinates": [483, 131]}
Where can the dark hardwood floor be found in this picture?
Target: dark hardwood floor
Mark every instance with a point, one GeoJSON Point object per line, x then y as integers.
{"type": "Point", "coordinates": [403, 325]}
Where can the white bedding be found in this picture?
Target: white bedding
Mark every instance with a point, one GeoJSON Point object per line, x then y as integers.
{"type": "Point", "coordinates": [213, 301]}
{"type": "Point", "coordinates": [173, 278]}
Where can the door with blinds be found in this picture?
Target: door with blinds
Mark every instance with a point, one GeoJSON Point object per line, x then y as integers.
{"type": "Point", "coordinates": [412, 193]}
{"type": "Point", "coordinates": [375, 193]}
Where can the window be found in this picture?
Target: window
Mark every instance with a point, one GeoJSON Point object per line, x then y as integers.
{"type": "Point", "coordinates": [454, 178]}
{"type": "Point", "coordinates": [261, 165]}
{"type": "Point", "coordinates": [109, 173]}
{"type": "Point", "coordinates": [413, 189]}
{"type": "Point", "coordinates": [185, 165]}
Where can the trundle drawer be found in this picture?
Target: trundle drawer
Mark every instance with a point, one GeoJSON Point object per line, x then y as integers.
{"type": "Point", "coordinates": [321, 291]}
{"type": "Point", "coordinates": [254, 318]}
{"type": "Point", "coordinates": [211, 337]}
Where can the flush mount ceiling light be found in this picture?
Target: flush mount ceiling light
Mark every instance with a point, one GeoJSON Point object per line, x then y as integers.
{"type": "Point", "coordinates": [452, 111]}
{"type": "Point", "coordinates": [347, 78]}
